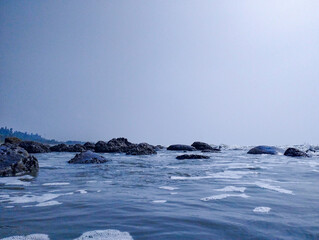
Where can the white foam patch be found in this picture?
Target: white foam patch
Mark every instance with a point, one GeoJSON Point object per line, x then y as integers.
{"type": "Point", "coordinates": [174, 193]}
{"type": "Point", "coordinates": [159, 201]}
{"type": "Point", "coordinates": [9, 206]}
{"type": "Point", "coordinates": [29, 237]}
{"type": "Point", "coordinates": [222, 196]}
{"type": "Point", "coordinates": [232, 189]}
{"type": "Point", "coordinates": [14, 181]}
{"type": "Point", "coordinates": [189, 178]}
{"type": "Point", "coordinates": [168, 188]}
{"type": "Point", "coordinates": [82, 191]}
{"type": "Point", "coordinates": [262, 210]}
{"type": "Point", "coordinates": [56, 184]}
{"type": "Point", "coordinates": [92, 181]}
{"type": "Point", "coordinates": [274, 188]}
{"type": "Point", "coordinates": [105, 235]}
{"type": "Point", "coordinates": [49, 203]}
{"type": "Point", "coordinates": [98, 190]}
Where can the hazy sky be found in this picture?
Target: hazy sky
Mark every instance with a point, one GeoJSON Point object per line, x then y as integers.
{"type": "Point", "coordinates": [236, 72]}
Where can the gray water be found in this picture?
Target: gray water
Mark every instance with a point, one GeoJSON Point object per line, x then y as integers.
{"type": "Point", "coordinates": [233, 195]}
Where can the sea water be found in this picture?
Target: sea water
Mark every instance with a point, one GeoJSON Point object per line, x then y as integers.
{"type": "Point", "coordinates": [232, 195]}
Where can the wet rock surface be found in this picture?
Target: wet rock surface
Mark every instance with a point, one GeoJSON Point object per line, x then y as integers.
{"type": "Point", "coordinates": [181, 147]}
{"type": "Point", "coordinates": [265, 150]}
{"type": "Point", "coordinates": [34, 147]}
{"type": "Point", "coordinates": [294, 152]}
{"type": "Point", "coordinates": [141, 149]}
{"type": "Point", "coordinates": [201, 146]}
{"type": "Point", "coordinates": [88, 157]}
{"type": "Point", "coordinates": [192, 156]}
{"type": "Point", "coordinates": [15, 161]}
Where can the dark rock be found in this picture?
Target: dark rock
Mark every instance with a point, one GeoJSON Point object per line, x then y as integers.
{"type": "Point", "coordinates": [116, 145]}
{"type": "Point", "coordinates": [67, 148]}
{"type": "Point", "coordinates": [180, 147]}
{"type": "Point", "coordinates": [201, 146]}
{"type": "Point", "coordinates": [34, 147]}
{"type": "Point", "coordinates": [159, 147]}
{"type": "Point", "coordinates": [141, 149]}
{"type": "Point", "coordinates": [89, 146]}
{"type": "Point", "coordinates": [265, 150]}
{"type": "Point", "coordinates": [60, 148]}
{"type": "Point", "coordinates": [191, 156]}
{"type": "Point", "coordinates": [76, 148]}
{"type": "Point", "coordinates": [15, 161]}
{"type": "Point", "coordinates": [87, 157]}
{"type": "Point", "coordinates": [293, 152]}
{"type": "Point", "coordinates": [12, 140]}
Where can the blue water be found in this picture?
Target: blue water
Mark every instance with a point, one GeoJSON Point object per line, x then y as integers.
{"type": "Point", "coordinates": [233, 195]}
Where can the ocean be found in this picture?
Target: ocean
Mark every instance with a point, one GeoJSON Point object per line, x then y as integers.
{"type": "Point", "coordinates": [233, 195]}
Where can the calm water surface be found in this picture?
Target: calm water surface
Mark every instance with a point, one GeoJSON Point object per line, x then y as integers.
{"type": "Point", "coordinates": [233, 195]}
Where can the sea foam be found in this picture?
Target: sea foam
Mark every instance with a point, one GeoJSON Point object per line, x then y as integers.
{"type": "Point", "coordinates": [29, 237]}
{"type": "Point", "coordinates": [232, 189]}
{"type": "Point", "coordinates": [274, 188]}
{"type": "Point", "coordinates": [109, 234]}
{"type": "Point", "coordinates": [262, 209]}
{"type": "Point", "coordinates": [222, 196]}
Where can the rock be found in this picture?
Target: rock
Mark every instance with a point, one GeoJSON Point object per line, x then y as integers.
{"type": "Point", "coordinates": [293, 152]}
{"type": "Point", "coordinates": [87, 157]}
{"type": "Point", "coordinates": [60, 148]}
{"type": "Point", "coordinates": [67, 148]}
{"type": "Point", "coordinates": [89, 146]}
{"type": "Point", "coordinates": [34, 147]}
{"type": "Point", "coordinates": [191, 156]}
{"type": "Point", "coordinates": [141, 149]}
{"type": "Point", "coordinates": [201, 146]}
{"type": "Point", "coordinates": [265, 150]}
{"type": "Point", "coordinates": [116, 145]}
{"type": "Point", "coordinates": [180, 147]}
{"type": "Point", "coordinates": [159, 147]}
{"type": "Point", "coordinates": [15, 161]}
{"type": "Point", "coordinates": [76, 148]}
{"type": "Point", "coordinates": [12, 140]}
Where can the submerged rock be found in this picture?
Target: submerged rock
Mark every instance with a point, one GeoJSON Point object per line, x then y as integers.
{"type": "Point", "coordinates": [141, 149]}
{"type": "Point", "coordinates": [15, 160]}
{"type": "Point", "coordinates": [293, 152]}
{"type": "Point", "coordinates": [265, 150]}
{"type": "Point", "coordinates": [159, 147]}
{"type": "Point", "coordinates": [115, 145]}
{"type": "Point", "coordinates": [191, 156]}
{"type": "Point", "coordinates": [87, 158]}
{"type": "Point", "coordinates": [34, 147]}
{"type": "Point", "coordinates": [181, 147]}
{"type": "Point", "coordinates": [201, 146]}
{"type": "Point", "coordinates": [12, 140]}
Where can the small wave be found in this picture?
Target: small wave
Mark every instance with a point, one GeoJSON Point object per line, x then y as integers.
{"type": "Point", "coordinates": [274, 188]}
{"type": "Point", "coordinates": [222, 196]}
{"type": "Point", "coordinates": [232, 189]}
{"type": "Point", "coordinates": [109, 234]}
{"type": "Point", "coordinates": [49, 203]}
{"type": "Point", "coordinates": [219, 175]}
{"type": "Point", "coordinates": [159, 201]}
{"type": "Point", "coordinates": [15, 181]}
{"type": "Point", "coordinates": [168, 188]}
{"type": "Point", "coordinates": [262, 209]}
{"type": "Point", "coordinates": [56, 184]}
{"type": "Point", "coordinates": [29, 237]}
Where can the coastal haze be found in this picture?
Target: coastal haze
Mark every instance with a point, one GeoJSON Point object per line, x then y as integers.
{"type": "Point", "coordinates": [161, 71]}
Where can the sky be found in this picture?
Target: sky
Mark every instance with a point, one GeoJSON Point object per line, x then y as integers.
{"type": "Point", "coordinates": [162, 72]}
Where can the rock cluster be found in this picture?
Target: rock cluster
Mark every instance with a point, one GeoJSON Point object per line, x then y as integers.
{"type": "Point", "coordinates": [14, 161]}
